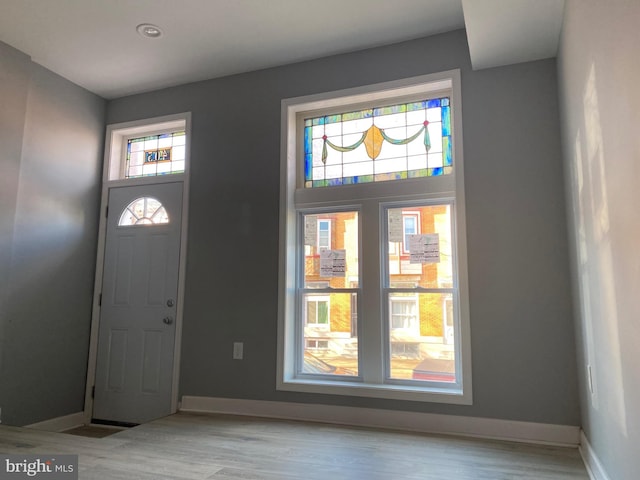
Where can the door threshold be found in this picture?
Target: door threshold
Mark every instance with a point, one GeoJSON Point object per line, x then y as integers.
{"type": "Point", "coordinates": [113, 423]}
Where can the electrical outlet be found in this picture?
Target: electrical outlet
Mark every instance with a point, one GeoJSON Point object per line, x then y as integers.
{"type": "Point", "coordinates": [238, 350]}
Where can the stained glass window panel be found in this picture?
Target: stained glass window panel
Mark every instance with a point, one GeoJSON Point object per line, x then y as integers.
{"type": "Point", "coordinates": [435, 160]}
{"type": "Point", "coordinates": [177, 166]}
{"type": "Point", "coordinates": [416, 162]}
{"type": "Point", "coordinates": [384, 143]}
{"type": "Point", "coordinates": [165, 141]}
{"type": "Point", "coordinates": [357, 169]}
{"type": "Point", "coordinates": [155, 155]}
{"type": "Point", "coordinates": [179, 138]}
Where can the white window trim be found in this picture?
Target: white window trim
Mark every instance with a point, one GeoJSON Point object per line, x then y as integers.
{"type": "Point", "coordinates": [293, 197]}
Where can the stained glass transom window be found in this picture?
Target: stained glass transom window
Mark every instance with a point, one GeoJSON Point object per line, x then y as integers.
{"type": "Point", "coordinates": [155, 155]}
{"type": "Point", "coordinates": [143, 211]}
{"type": "Point", "coordinates": [394, 142]}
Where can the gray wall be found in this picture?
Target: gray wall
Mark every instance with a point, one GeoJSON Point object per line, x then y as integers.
{"type": "Point", "coordinates": [15, 69]}
{"type": "Point", "coordinates": [49, 221]}
{"type": "Point", "coordinates": [599, 74]}
{"type": "Point", "coordinates": [522, 332]}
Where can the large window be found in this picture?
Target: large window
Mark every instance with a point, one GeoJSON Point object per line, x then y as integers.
{"type": "Point", "coordinates": [373, 254]}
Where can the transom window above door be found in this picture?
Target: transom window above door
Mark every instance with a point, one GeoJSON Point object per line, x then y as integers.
{"type": "Point", "coordinates": [155, 155]}
{"type": "Point", "coordinates": [148, 151]}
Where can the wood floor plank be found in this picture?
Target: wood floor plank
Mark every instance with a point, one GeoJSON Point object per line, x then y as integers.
{"type": "Point", "coordinates": [191, 446]}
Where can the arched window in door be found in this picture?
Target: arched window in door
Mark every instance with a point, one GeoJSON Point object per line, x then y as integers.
{"type": "Point", "coordinates": [143, 211]}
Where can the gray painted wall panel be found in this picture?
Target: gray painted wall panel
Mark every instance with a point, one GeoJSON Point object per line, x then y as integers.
{"type": "Point", "coordinates": [599, 75]}
{"type": "Point", "coordinates": [49, 292]}
{"type": "Point", "coordinates": [520, 309]}
{"type": "Point", "coordinates": [15, 71]}
{"type": "Point", "coordinates": [522, 336]}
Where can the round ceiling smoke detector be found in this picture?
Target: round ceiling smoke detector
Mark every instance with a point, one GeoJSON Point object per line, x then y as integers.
{"type": "Point", "coordinates": [148, 30]}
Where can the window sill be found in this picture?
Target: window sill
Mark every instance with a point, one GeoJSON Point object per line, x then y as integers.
{"type": "Point", "coordinates": [451, 394]}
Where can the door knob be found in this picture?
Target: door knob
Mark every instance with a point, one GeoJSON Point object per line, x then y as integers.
{"type": "Point", "coordinates": [168, 320]}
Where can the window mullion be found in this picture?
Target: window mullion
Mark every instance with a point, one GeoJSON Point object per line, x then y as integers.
{"type": "Point", "coordinates": [371, 333]}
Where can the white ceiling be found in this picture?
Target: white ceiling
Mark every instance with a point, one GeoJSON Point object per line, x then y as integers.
{"type": "Point", "coordinates": [94, 42]}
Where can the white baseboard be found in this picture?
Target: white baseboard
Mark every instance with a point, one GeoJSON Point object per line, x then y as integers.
{"type": "Point", "coordinates": [526, 432]}
{"type": "Point", "coordinates": [591, 461]}
{"type": "Point", "coordinates": [60, 424]}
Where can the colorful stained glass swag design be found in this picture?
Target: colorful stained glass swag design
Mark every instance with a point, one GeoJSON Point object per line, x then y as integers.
{"type": "Point", "coordinates": [378, 144]}
{"type": "Point", "coordinates": [373, 139]}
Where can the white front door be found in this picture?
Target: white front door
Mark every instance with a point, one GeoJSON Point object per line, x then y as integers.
{"type": "Point", "coordinates": [136, 337]}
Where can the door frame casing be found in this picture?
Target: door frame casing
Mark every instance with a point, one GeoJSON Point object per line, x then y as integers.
{"type": "Point", "coordinates": [115, 146]}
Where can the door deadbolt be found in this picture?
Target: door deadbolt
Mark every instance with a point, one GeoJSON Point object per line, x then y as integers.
{"type": "Point", "coordinates": [170, 303]}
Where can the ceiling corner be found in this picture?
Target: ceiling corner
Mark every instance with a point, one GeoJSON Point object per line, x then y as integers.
{"type": "Point", "coordinates": [504, 32]}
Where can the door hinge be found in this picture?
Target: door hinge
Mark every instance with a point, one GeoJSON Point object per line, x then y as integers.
{"type": "Point", "coordinates": [100, 300]}
{"type": "Point", "coordinates": [106, 211]}
{"type": "Point", "coordinates": [93, 392]}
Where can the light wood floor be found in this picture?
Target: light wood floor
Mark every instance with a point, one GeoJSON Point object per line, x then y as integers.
{"type": "Point", "coordinates": [94, 431]}
{"type": "Point", "coordinates": [193, 446]}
